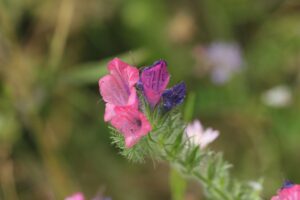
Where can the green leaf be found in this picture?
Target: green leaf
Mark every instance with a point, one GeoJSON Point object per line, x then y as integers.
{"type": "Point", "coordinates": [89, 73]}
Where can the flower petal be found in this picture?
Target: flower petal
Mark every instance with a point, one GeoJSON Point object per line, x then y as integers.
{"type": "Point", "coordinates": [109, 112]}
{"type": "Point", "coordinates": [154, 80]}
{"type": "Point", "coordinates": [131, 123]}
{"type": "Point", "coordinates": [174, 96]}
{"type": "Point", "coordinates": [208, 137]}
{"type": "Point", "coordinates": [117, 87]}
{"type": "Point", "coordinates": [123, 72]}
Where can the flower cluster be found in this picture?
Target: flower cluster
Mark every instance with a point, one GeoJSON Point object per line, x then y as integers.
{"type": "Point", "coordinates": [289, 191]}
{"type": "Point", "coordinates": [120, 90]}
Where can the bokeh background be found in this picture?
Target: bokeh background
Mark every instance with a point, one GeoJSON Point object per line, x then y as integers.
{"type": "Point", "coordinates": [239, 58]}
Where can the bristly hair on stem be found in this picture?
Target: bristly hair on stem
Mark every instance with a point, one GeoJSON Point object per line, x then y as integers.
{"type": "Point", "coordinates": [167, 142]}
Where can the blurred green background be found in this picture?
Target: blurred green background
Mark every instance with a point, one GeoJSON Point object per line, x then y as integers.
{"type": "Point", "coordinates": [53, 140]}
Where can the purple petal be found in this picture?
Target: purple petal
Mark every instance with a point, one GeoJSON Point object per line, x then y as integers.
{"type": "Point", "coordinates": [174, 96]}
{"type": "Point", "coordinates": [287, 184]}
{"type": "Point", "coordinates": [153, 81]}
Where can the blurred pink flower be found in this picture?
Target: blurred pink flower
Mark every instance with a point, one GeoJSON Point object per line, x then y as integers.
{"type": "Point", "coordinates": [117, 88]}
{"type": "Point", "coordinates": [197, 135]}
{"type": "Point", "coordinates": [132, 123]}
{"type": "Point", "coordinates": [76, 196]}
{"type": "Point", "coordinates": [288, 192]}
{"type": "Point", "coordinates": [80, 196]}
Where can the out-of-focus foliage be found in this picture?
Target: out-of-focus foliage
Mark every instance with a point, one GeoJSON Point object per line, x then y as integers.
{"type": "Point", "coordinates": [53, 140]}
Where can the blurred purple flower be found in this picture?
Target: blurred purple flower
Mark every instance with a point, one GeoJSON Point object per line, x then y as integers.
{"type": "Point", "coordinates": [225, 59]}
{"type": "Point", "coordinates": [100, 197]}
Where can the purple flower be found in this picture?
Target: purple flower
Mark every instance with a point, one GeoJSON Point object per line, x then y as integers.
{"type": "Point", "coordinates": [225, 58]}
{"type": "Point", "coordinates": [153, 81]}
{"type": "Point", "coordinates": [174, 96]}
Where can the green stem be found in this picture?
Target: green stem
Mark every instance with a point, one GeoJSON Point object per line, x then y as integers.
{"type": "Point", "coordinates": [208, 183]}
{"type": "Point", "coordinates": [177, 184]}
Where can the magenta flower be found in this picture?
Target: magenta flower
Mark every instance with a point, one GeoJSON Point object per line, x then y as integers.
{"type": "Point", "coordinates": [154, 81]}
{"type": "Point", "coordinates": [289, 191]}
{"type": "Point", "coordinates": [117, 88]}
{"type": "Point", "coordinates": [119, 93]}
{"type": "Point", "coordinates": [132, 123]}
{"type": "Point", "coordinates": [76, 196]}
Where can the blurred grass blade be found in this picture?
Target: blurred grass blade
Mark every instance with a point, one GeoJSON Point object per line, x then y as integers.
{"type": "Point", "coordinates": [62, 29]}
{"type": "Point", "coordinates": [189, 107]}
{"type": "Point", "coordinates": [90, 72]}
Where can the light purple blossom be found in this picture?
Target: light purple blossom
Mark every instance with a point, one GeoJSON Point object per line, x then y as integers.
{"type": "Point", "coordinates": [197, 135]}
{"type": "Point", "coordinates": [225, 60]}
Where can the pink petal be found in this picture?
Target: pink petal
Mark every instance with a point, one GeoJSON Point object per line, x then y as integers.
{"type": "Point", "coordinates": [154, 80]}
{"type": "Point", "coordinates": [109, 112]}
{"type": "Point", "coordinates": [123, 72]}
{"type": "Point", "coordinates": [131, 123]}
{"type": "Point", "coordinates": [76, 196]}
{"type": "Point", "coordinates": [112, 92]}
{"type": "Point", "coordinates": [117, 88]}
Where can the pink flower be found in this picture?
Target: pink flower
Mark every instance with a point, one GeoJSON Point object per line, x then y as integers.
{"type": "Point", "coordinates": [117, 88]}
{"type": "Point", "coordinates": [119, 93]}
{"type": "Point", "coordinates": [76, 196]}
{"type": "Point", "coordinates": [288, 192]}
{"type": "Point", "coordinates": [132, 123]}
